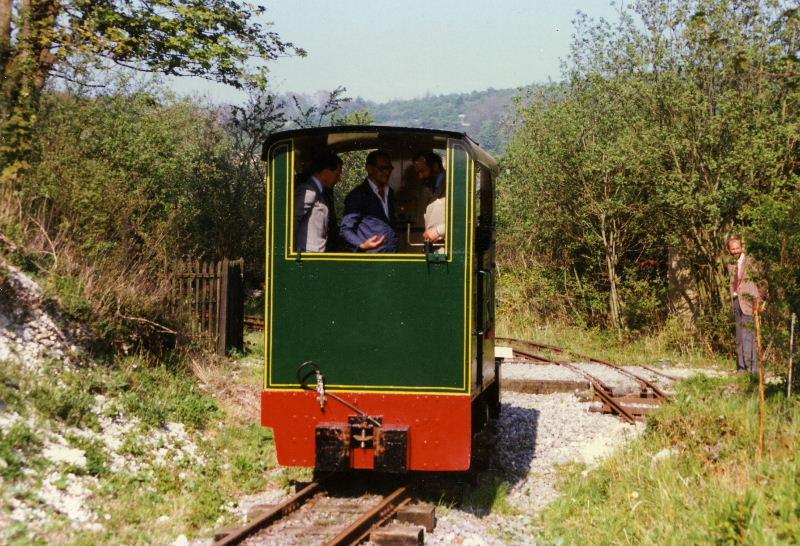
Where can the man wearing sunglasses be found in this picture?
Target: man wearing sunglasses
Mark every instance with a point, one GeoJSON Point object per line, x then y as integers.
{"type": "Point", "coordinates": [369, 209]}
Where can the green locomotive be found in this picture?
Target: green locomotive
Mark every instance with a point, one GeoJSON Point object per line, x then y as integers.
{"type": "Point", "coordinates": [381, 361]}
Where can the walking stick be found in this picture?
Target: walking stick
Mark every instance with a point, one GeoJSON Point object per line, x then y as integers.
{"type": "Point", "coordinates": [762, 410]}
{"type": "Point", "coordinates": [791, 357]}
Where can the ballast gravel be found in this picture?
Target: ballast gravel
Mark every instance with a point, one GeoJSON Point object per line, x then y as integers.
{"type": "Point", "coordinates": [539, 372]}
{"type": "Point", "coordinates": [619, 382]}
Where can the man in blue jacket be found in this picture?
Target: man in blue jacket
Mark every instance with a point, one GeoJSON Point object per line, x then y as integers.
{"type": "Point", "coordinates": [367, 225]}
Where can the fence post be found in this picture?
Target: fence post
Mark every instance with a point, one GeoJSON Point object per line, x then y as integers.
{"type": "Point", "coordinates": [235, 305]}
{"type": "Point", "coordinates": [222, 308]}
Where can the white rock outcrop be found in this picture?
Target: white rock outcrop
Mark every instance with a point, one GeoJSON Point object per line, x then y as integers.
{"type": "Point", "coordinates": [29, 335]}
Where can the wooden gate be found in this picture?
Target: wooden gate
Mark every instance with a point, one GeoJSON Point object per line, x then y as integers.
{"type": "Point", "coordinates": [210, 297]}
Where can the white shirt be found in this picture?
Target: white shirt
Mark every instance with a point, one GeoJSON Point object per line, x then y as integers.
{"type": "Point", "coordinates": [384, 199]}
{"type": "Point", "coordinates": [740, 268]}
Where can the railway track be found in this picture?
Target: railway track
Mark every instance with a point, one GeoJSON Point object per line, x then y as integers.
{"type": "Point", "coordinates": [583, 357]}
{"type": "Point", "coordinates": [630, 408]}
{"type": "Point", "coordinates": [323, 513]}
{"type": "Point", "coordinates": [254, 322]}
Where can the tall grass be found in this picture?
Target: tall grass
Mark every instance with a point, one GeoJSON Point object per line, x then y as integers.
{"type": "Point", "coordinates": [671, 343]}
{"type": "Point", "coordinates": [120, 296]}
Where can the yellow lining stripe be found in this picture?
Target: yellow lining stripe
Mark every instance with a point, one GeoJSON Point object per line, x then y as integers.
{"type": "Point", "coordinates": [358, 391]}
{"type": "Point", "coordinates": [270, 296]}
{"type": "Point", "coordinates": [268, 277]}
{"type": "Point", "coordinates": [353, 256]}
{"type": "Point", "coordinates": [465, 369]}
{"type": "Point", "coordinates": [290, 209]}
{"type": "Point", "coordinates": [369, 387]}
{"type": "Point", "coordinates": [468, 300]}
{"type": "Point", "coordinates": [291, 255]}
{"type": "Point", "coordinates": [451, 176]}
{"type": "Point", "coordinates": [471, 254]}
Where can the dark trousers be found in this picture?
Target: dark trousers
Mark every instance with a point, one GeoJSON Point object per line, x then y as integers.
{"type": "Point", "coordinates": [746, 350]}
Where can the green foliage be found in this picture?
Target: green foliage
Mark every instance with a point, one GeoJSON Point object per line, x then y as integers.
{"type": "Point", "coordinates": [578, 163]}
{"type": "Point", "coordinates": [774, 237]}
{"type": "Point", "coordinates": [11, 392]}
{"type": "Point", "coordinates": [158, 393]}
{"type": "Point", "coordinates": [96, 457]}
{"type": "Point", "coordinates": [207, 497]}
{"type": "Point", "coordinates": [69, 399]}
{"type": "Point", "coordinates": [643, 300]}
{"type": "Point", "coordinates": [676, 125]}
{"type": "Point", "coordinates": [253, 453]}
{"type": "Point", "coordinates": [709, 488]}
{"type": "Point", "coordinates": [129, 184]}
{"type": "Point", "coordinates": [18, 449]}
{"type": "Point", "coordinates": [70, 295]}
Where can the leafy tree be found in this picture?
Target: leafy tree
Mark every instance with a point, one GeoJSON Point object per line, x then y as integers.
{"type": "Point", "coordinates": [40, 39]}
{"type": "Point", "coordinates": [579, 164]}
{"type": "Point", "coordinates": [690, 109]}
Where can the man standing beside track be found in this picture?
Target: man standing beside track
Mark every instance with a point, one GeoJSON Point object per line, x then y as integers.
{"type": "Point", "coordinates": [747, 298]}
{"type": "Point", "coordinates": [314, 214]}
{"type": "Point", "coordinates": [368, 220]}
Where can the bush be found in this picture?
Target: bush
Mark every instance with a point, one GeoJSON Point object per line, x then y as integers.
{"type": "Point", "coordinates": [643, 302]}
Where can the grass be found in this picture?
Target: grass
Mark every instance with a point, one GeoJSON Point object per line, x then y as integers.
{"type": "Point", "coordinates": [160, 392]}
{"type": "Point", "coordinates": [667, 345]}
{"type": "Point", "coordinates": [19, 449]}
{"type": "Point", "coordinates": [706, 486]}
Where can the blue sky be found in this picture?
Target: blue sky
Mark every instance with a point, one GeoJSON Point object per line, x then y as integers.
{"type": "Point", "coordinates": [382, 50]}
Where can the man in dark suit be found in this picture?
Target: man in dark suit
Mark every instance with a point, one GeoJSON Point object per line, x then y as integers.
{"type": "Point", "coordinates": [368, 220]}
{"type": "Point", "coordinates": [747, 298]}
{"type": "Point", "coordinates": [314, 215]}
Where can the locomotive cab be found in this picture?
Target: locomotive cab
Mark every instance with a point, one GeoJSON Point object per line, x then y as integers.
{"type": "Point", "coordinates": [381, 361]}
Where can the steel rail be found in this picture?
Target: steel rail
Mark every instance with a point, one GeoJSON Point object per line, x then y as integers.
{"type": "Point", "coordinates": [601, 389]}
{"type": "Point", "coordinates": [360, 529]}
{"type": "Point", "coordinates": [662, 374]}
{"type": "Point", "coordinates": [641, 380]}
{"type": "Point", "coordinates": [282, 510]}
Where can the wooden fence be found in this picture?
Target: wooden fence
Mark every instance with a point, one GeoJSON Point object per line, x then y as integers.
{"type": "Point", "coordinates": [210, 297]}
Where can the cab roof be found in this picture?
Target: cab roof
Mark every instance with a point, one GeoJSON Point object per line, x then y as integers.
{"type": "Point", "coordinates": [345, 138]}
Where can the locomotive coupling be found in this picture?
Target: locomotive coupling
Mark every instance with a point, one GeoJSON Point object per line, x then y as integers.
{"type": "Point", "coordinates": [360, 444]}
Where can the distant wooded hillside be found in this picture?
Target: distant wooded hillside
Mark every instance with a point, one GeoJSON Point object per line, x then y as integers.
{"type": "Point", "coordinates": [480, 114]}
